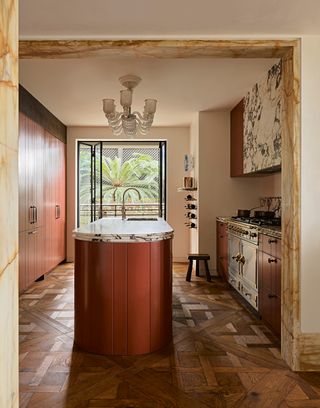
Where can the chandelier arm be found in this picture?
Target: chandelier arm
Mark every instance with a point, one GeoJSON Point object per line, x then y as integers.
{"type": "Point", "coordinates": [117, 128]}
{"type": "Point", "coordinates": [144, 125]}
{"type": "Point", "coordinates": [144, 121]}
{"type": "Point", "coordinates": [145, 116]}
{"type": "Point", "coordinates": [114, 117]}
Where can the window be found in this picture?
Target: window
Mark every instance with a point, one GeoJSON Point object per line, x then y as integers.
{"type": "Point", "coordinates": [107, 168]}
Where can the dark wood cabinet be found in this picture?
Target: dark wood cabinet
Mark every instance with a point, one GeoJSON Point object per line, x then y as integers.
{"type": "Point", "coordinates": [222, 249]}
{"type": "Point", "coordinates": [41, 201]}
{"type": "Point", "coordinates": [22, 261]}
{"type": "Point", "coordinates": [236, 140]}
{"type": "Point", "coordinates": [269, 275]}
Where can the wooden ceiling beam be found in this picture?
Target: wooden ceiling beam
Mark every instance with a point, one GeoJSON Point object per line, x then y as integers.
{"type": "Point", "coordinates": [52, 49]}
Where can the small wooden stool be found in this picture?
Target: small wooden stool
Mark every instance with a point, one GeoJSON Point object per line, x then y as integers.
{"type": "Point", "coordinates": [197, 258]}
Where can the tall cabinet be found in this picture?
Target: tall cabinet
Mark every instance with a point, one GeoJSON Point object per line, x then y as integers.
{"type": "Point", "coordinates": [41, 201]}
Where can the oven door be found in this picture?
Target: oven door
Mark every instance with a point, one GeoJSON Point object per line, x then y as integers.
{"type": "Point", "coordinates": [249, 263]}
{"type": "Point", "coordinates": [234, 246]}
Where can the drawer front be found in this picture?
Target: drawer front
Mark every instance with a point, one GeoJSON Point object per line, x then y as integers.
{"type": "Point", "coordinates": [270, 245]}
{"type": "Point", "coordinates": [250, 295]}
{"type": "Point", "coordinates": [234, 280]}
{"type": "Point", "coordinates": [222, 228]}
{"type": "Point", "coordinates": [270, 310]}
{"type": "Point", "coordinates": [269, 272]}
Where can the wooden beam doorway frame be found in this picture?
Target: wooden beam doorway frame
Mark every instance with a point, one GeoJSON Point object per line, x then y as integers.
{"type": "Point", "coordinates": [289, 51]}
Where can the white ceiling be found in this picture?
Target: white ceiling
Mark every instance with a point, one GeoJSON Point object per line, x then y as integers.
{"type": "Point", "coordinates": [167, 18]}
{"type": "Point", "coordinates": [73, 89]}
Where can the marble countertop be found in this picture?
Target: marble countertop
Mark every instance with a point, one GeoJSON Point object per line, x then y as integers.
{"type": "Point", "coordinates": [271, 230]}
{"type": "Point", "coordinates": [224, 219]}
{"type": "Point", "coordinates": [118, 230]}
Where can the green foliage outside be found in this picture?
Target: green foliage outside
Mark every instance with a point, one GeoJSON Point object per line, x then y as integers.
{"type": "Point", "coordinates": [141, 171]}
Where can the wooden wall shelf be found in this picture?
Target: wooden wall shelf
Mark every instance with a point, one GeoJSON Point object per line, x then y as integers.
{"type": "Point", "coordinates": [187, 189]}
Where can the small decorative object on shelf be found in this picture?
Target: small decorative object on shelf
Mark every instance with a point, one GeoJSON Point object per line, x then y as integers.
{"type": "Point", "coordinates": [188, 162]}
{"type": "Point", "coordinates": [187, 189]}
{"type": "Point", "coordinates": [188, 182]}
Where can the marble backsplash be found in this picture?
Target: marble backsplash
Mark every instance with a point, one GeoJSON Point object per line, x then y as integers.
{"type": "Point", "coordinates": [271, 204]}
{"type": "Point", "coordinates": [263, 122]}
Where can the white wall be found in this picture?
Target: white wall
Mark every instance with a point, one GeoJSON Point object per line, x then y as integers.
{"type": "Point", "coordinates": [219, 194]}
{"type": "Point", "coordinates": [310, 185]}
{"type": "Point", "coordinates": [178, 144]}
{"type": "Point", "coordinates": [270, 185]}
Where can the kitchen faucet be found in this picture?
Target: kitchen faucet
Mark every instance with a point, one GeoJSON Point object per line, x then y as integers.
{"type": "Point", "coordinates": [123, 208]}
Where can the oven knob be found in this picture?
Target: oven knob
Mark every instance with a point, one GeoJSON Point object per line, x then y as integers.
{"type": "Point", "coordinates": [253, 234]}
{"type": "Point", "coordinates": [245, 232]}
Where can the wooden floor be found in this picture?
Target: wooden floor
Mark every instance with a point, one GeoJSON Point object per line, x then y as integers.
{"type": "Point", "coordinates": [221, 356]}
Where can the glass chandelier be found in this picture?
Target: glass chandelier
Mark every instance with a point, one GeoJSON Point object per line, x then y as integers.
{"type": "Point", "coordinates": [130, 123]}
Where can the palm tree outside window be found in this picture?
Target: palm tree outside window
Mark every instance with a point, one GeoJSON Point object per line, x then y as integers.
{"type": "Point", "coordinates": [106, 169]}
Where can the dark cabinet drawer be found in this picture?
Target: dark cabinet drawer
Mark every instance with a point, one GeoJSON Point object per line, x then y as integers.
{"type": "Point", "coordinates": [270, 245]}
{"type": "Point", "coordinates": [222, 228]}
{"type": "Point", "coordinates": [269, 288]}
{"type": "Point", "coordinates": [269, 273]}
{"type": "Point", "coordinates": [270, 309]}
{"type": "Point", "coordinates": [222, 249]}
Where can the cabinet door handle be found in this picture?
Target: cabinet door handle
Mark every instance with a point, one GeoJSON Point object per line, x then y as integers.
{"type": "Point", "coordinates": [270, 260]}
{"type": "Point", "coordinates": [32, 232]}
{"type": "Point", "coordinates": [242, 260]}
{"type": "Point", "coordinates": [57, 211]}
{"type": "Point", "coordinates": [236, 257]}
{"type": "Point", "coordinates": [272, 241]}
{"type": "Point", "coordinates": [271, 296]}
{"type": "Point", "coordinates": [35, 214]}
{"type": "Point", "coordinates": [31, 215]}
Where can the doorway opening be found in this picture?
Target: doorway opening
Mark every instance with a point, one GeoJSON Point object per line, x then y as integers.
{"type": "Point", "coordinates": [105, 169]}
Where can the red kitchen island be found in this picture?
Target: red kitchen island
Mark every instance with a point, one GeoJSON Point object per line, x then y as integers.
{"type": "Point", "coordinates": [123, 286]}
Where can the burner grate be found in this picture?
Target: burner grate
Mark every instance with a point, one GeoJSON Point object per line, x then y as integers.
{"type": "Point", "coordinates": [276, 222]}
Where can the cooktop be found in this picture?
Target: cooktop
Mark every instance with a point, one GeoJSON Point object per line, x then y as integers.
{"type": "Point", "coordinates": [276, 222]}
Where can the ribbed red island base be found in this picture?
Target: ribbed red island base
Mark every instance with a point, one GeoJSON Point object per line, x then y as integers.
{"type": "Point", "coordinates": [123, 296]}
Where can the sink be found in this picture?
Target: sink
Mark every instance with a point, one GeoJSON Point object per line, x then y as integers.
{"type": "Point", "coordinates": [142, 219]}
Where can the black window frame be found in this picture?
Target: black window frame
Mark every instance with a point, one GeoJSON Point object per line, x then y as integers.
{"type": "Point", "coordinates": [162, 144]}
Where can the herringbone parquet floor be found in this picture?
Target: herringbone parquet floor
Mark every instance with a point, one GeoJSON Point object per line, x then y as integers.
{"type": "Point", "coordinates": [221, 356]}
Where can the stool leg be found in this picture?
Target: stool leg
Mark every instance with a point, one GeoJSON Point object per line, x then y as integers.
{"type": "Point", "coordinates": [197, 268]}
{"type": "Point", "coordinates": [207, 270]}
{"type": "Point", "coordinates": [188, 277]}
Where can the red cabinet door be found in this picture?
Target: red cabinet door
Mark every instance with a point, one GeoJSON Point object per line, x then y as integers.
{"type": "Point", "coordinates": [23, 210]}
{"type": "Point", "coordinates": [54, 192]}
{"type": "Point", "coordinates": [269, 272]}
{"type": "Point", "coordinates": [30, 172]}
{"type": "Point", "coordinates": [22, 261]}
{"type": "Point", "coordinates": [222, 249]}
{"type": "Point", "coordinates": [39, 152]}
{"type": "Point", "coordinates": [60, 201]}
